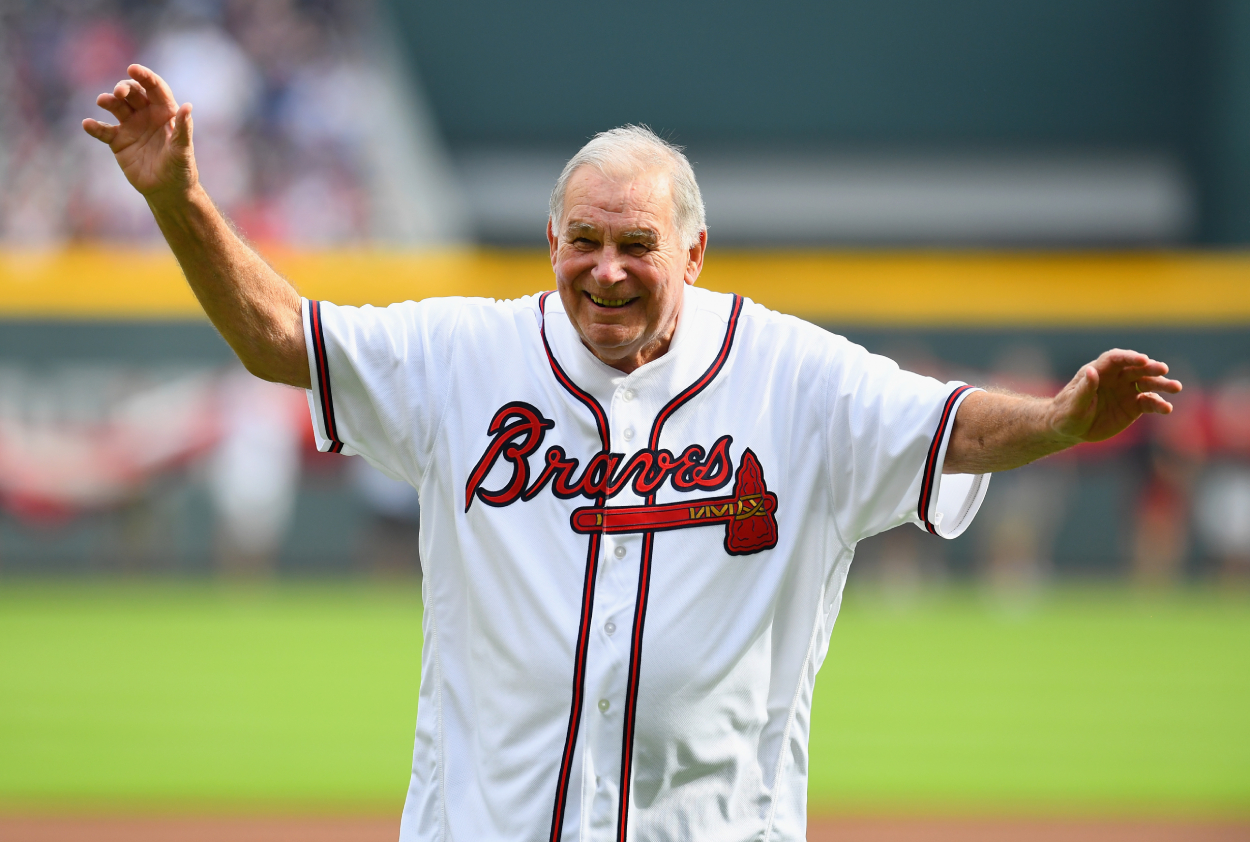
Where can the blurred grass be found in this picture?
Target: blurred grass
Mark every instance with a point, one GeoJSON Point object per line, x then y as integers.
{"type": "Point", "coordinates": [1085, 701]}
{"type": "Point", "coordinates": [172, 697]}
{"type": "Point", "coordinates": [199, 697]}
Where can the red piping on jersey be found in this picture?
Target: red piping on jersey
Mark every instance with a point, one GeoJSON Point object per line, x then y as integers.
{"type": "Point", "coordinates": [700, 384]}
{"type": "Point", "coordinates": [588, 590]}
{"type": "Point", "coordinates": [930, 464]}
{"type": "Point", "coordinates": [323, 377]}
{"type": "Point", "coordinates": [644, 570]}
{"type": "Point", "coordinates": [601, 418]}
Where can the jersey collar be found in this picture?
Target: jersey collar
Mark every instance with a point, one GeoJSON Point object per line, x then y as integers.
{"type": "Point", "coordinates": [700, 330]}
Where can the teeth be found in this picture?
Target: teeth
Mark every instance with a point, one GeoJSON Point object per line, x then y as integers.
{"type": "Point", "coordinates": [609, 302]}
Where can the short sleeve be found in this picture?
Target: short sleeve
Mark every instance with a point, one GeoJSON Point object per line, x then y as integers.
{"type": "Point", "coordinates": [380, 380]}
{"type": "Point", "coordinates": [889, 432]}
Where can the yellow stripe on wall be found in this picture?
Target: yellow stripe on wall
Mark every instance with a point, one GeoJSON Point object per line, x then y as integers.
{"type": "Point", "coordinates": [1164, 289]}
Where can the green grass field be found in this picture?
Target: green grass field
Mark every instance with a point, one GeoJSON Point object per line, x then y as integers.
{"type": "Point", "coordinates": [125, 697]}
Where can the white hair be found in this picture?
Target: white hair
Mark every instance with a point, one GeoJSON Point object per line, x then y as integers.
{"type": "Point", "coordinates": [632, 150]}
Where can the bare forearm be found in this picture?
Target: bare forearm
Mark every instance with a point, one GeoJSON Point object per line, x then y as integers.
{"type": "Point", "coordinates": [995, 431]}
{"type": "Point", "coordinates": [256, 310]}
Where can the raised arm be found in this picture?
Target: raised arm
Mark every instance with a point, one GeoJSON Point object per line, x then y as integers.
{"type": "Point", "coordinates": [997, 432]}
{"type": "Point", "coordinates": [256, 310]}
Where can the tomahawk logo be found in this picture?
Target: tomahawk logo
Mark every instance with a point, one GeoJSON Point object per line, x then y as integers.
{"type": "Point", "coordinates": [748, 514]}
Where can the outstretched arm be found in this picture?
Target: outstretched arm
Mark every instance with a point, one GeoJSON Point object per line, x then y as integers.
{"type": "Point", "coordinates": [998, 432]}
{"type": "Point", "coordinates": [256, 310]}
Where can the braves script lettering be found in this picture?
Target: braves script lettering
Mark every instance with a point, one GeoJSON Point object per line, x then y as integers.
{"type": "Point", "coordinates": [517, 432]}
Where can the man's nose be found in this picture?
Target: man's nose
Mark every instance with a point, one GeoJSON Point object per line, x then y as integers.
{"type": "Point", "coordinates": [609, 268]}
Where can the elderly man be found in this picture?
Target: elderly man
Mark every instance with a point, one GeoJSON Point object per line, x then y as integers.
{"type": "Point", "coordinates": [639, 499]}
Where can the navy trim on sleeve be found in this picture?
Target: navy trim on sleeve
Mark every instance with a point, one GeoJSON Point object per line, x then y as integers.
{"type": "Point", "coordinates": [323, 377]}
{"type": "Point", "coordinates": [928, 483]}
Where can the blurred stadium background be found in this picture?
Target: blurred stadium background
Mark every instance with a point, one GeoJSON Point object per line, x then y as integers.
{"type": "Point", "coordinates": [198, 612]}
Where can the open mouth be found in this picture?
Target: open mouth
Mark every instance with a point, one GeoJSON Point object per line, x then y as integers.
{"type": "Point", "coordinates": [610, 302]}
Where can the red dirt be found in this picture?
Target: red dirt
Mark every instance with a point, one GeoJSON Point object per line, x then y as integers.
{"type": "Point", "coordinates": [1023, 830]}
{"type": "Point", "coordinates": [44, 829]}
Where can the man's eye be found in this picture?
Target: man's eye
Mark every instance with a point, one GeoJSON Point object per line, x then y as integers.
{"type": "Point", "coordinates": [637, 249]}
{"type": "Point", "coordinates": [583, 241]}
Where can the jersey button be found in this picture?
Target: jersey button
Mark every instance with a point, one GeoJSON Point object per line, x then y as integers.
{"type": "Point", "coordinates": [629, 395]}
{"type": "Point", "coordinates": [609, 627]}
{"type": "Point", "coordinates": [628, 434]}
{"type": "Point", "coordinates": [604, 704]}
{"type": "Point", "coordinates": [619, 552]}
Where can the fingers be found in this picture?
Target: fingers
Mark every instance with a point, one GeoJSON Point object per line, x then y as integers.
{"type": "Point", "coordinates": [157, 91]}
{"type": "Point", "coordinates": [100, 131]}
{"type": "Point", "coordinates": [142, 89]}
{"type": "Point", "coordinates": [1130, 364]}
{"type": "Point", "coordinates": [127, 98]}
{"type": "Point", "coordinates": [119, 108]}
{"type": "Point", "coordinates": [1152, 368]}
{"type": "Point", "coordinates": [132, 93]}
{"type": "Point", "coordinates": [1158, 384]}
{"type": "Point", "coordinates": [1150, 402]}
{"type": "Point", "coordinates": [1120, 358]}
{"type": "Point", "coordinates": [1148, 376]}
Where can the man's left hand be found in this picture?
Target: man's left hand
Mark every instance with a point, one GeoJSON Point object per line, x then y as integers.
{"type": "Point", "coordinates": [1109, 394]}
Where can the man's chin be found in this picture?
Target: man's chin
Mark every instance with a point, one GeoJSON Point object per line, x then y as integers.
{"type": "Point", "coordinates": [610, 342]}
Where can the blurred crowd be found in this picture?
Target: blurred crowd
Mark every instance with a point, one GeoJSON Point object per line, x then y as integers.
{"type": "Point", "coordinates": [1184, 489]}
{"type": "Point", "coordinates": [112, 451]}
{"type": "Point", "coordinates": [272, 82]}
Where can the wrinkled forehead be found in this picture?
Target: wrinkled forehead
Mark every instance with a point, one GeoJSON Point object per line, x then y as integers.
{"type": "Point", "coordinates": [624, 200]}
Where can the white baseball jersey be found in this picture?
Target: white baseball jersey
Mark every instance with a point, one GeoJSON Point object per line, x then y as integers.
{"type": "Point", "coordinates": [630, 580]}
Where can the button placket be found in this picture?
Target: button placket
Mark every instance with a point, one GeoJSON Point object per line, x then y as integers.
{"type": "Point", "coordinates": [614, 598]}
{"type": "Point", "coordinates": [626, 418]}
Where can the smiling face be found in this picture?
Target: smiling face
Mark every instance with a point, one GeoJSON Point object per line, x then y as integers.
{"type": "Point", "coordinates": [620, 266]}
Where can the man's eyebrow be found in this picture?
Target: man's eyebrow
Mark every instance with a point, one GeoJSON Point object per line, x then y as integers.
{"type": "Point", "coordinates": [575, 228]}
{"type": "Point", "coordinates": [633, 235]}
{"type": "Point", "coordinates": [639, 234]}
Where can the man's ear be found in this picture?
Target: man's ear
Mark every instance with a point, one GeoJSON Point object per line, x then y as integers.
{"type": "Point", "coordinates": [553, 242]}
{"type": "Point", "coordinates": [694, 258]}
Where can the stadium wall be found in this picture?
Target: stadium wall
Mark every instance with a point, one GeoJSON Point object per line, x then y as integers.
{"type": "Point", "coordinates": [956, 315]}
{"type": "Point", "coordinates": [1157, 289]}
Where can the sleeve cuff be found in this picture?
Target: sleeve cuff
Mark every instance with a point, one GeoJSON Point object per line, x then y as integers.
{"type": "Point", "coordinates": [949, 503]}
{"type": "Point", "coordinates": [321, 395]}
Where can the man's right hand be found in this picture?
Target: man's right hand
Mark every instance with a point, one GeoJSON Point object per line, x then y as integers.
{"type": "Point", "coordinates": [255, 309]}
{"type": "Point", "coordinates": [152, 141]}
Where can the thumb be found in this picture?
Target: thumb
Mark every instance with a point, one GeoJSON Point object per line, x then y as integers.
{"type": "Point", "coordinates": [182, 126]}
{"type": "Point", "coordinates": [1086, 388]}
{"type": "Point", "coordinates": [1090, 381]}
{"type": "Point", "coordinates": [1077, 397]}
